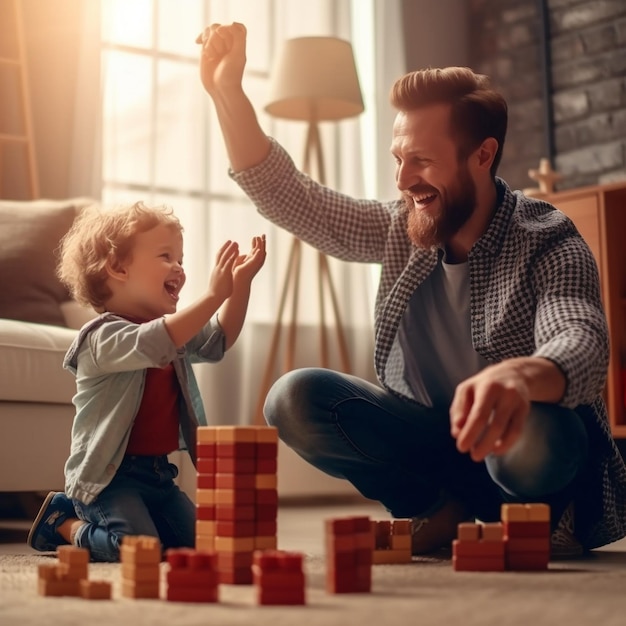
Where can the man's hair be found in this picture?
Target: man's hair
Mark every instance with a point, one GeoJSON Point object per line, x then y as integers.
{"type": "Point", "coordinates": [477, 110]}
{"type": "Point", "coordinates": [101, 236]}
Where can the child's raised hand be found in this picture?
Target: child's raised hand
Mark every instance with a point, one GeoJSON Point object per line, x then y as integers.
{"type": "Point", "coordinates": [247, 266]}
{"type": "Point", "coordinates": [223, 55]}
{"type": "Point", "coordinates": [221, 279]}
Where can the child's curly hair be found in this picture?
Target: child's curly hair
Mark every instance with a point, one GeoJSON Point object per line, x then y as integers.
{"type": "Point", "coordinates": [100, 237]}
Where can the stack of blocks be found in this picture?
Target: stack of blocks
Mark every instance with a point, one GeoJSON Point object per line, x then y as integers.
{"type": "Point", "coordinates": [519, 542]}
{"type": "Point", "coordinates": [279, 577]}
{"type": "Point", "coordinates": [349, 555]}
{"type": "Point", "coordinates": [140, 556]}
{"type": "Point", "coordinates": [392, 541]}
{"type": "Point", "coordinates": [479, 548]}
{"type": "Point", "coordinates": [191, 576]}
{"type": "Point", "coordinates": [236, 496]}
{"type": "Point", "coordinates": [527, 533]}
{"type": "Point", "coordinates": [69, 576]}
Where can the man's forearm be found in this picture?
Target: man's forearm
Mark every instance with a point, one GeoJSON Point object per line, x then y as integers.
{"type": "Point", "coordinates": [246, 143]}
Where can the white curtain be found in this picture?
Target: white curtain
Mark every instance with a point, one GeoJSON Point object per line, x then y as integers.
{"type": "Point", "coordinates": [145, 157]}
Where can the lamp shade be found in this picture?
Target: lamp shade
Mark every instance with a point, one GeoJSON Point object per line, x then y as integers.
{"type": "Point", "coordinates": [315, 79]}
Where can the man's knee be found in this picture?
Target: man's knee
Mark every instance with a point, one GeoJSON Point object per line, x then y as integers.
{"type": "Point", "coordinates": [291, 397]}
{"type": "Point", "coordinates": [548, 455]}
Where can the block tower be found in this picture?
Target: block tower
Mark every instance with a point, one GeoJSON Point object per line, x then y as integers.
{"type": "Point", "coordinates": [236, 496]}
{"type": "Point", "coordinates": [349, 555]}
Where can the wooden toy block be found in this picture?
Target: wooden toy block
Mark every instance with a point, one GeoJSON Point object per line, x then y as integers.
{"type": "Point", "coordinates": [206, 527]}
{"type": "Point", "coordinates": [266, 512]}
{"type": "Point", "coordinates": [391, 541]}
{"type": "Point", "coordinates": [58, 588]}
{"type": "Point", "coordinates": [349, 554]}
{"type": "Point", "coordinates": [140, 549]}
{"type": "Point", "coordinates": [235, 481]}
{"type": "Point", "coordinates": [206, 434]}
{"type": "Point", "coordinates": [235, 497]}
{"type": "Point", "coordinates": [140, 590]}
{"type": "Point", "coordinates": [265, 543]}
{"type": "Point", "coordinates": [514, 513]}
{"type": "Point", "coordinates": [205, 496]}
{"type": "Point", "coordinates": [234, 560]}
{"type": "Point", "coordinates": [206, 466]}
{"type": "Point", "coordinates": [205, 542]}
{"type": "Point", "coordinates": [192, 576]}
{"type": "Point", "coordinates": [206, 450]}
{"type": "Point", "coordinates": [206, 481]}
{"type": "Point", "coordinates": [230, 434]}
{"type": "Point", "coordinates": [96, 590]}
{"type": "Point", "coordinates": [478, 564]}
{"type": "Point", "coordinates": [238, 449]}
{"type": "Point", "coordinates": [526, 529]}
{"type": "Point", "coordinates": [72, 571]}
{"type": "Point", "coordinates": [205, 512]}
{"type": "Point", "coordinates": [267, 450]}
{"type": "Point", "coordinates": [391, 557]}
{"type": "Point", "coordinates": [72, 555]}
{"type": "Point", "coordinates": [478, 548]}
{"type": "Point", "coordinates": [493, 531]}
{"type": "Point", "coordinates": [266, 496]}
{"type": "Point", "coordinates": [266, 466]}
{"type": "Point", "coordinates": [235, 528]}
{"type": "Point", "coordinates": [267, 434]}
{"type": "Point", "coordinates": [235, 465]}
{"type": "Point", "coordinates": [468, 531]}
{"type": "Point", "coordinates": [279, 577]}
{"type": "Point", "coordinates": [266, 481]}
{"type": "Point", "coordinates": [234, 544]}
{"type": "Point", "coordinates": [139, 573]}
{"type": "Point", "coordinates": [538, 512]}
{"type": "Point", "coordinates": [232, 513]}
{"type": "Point", "coordinates": [528, 544]}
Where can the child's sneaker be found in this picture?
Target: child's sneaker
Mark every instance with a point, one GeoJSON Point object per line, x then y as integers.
{"type": "Point", "coordinates": [43, 535]}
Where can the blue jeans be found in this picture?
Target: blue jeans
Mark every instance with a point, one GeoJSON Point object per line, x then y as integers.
{"type": "Point", "coordinates": [402, 454]}
{"type": "Point", "coordinates": [142, 499]}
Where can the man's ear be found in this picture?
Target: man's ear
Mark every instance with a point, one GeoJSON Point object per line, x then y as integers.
{"type": "Point", "coordinates": [487, 153]}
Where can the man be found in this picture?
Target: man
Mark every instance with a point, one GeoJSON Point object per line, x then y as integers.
{"type": "Point", "coordinates": [491, 340]}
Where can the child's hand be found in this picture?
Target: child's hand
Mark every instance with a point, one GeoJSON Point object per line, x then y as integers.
{"type": "Point", "coordinates": [223, 55]}
{"type": "Point", "coordinates": [221, 279]}
{"type": "Point", "coordinates": [247, 266]}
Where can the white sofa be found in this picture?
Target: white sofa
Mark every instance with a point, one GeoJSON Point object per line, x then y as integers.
{"type": "Point", "coordinates": [37, 325]}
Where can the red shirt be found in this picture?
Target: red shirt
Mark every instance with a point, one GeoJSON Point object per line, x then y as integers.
{"type": "Point", "coordinates": [155, 430]}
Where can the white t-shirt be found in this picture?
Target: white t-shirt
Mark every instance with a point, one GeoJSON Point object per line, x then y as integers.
{"type": "Point", "coordinates": [436, 338]}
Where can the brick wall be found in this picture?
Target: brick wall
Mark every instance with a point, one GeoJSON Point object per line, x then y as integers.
{"type": "Point", "coordinates": [582, 126]}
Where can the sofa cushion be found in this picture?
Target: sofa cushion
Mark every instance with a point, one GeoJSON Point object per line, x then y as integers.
{"type": "Point", "coordinates": [30, 232]}
{"type": "Point", "coordinates": [31, 357]}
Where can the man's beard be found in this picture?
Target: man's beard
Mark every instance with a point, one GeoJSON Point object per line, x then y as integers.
{"type": "Point", "coordinates": [428, 230]}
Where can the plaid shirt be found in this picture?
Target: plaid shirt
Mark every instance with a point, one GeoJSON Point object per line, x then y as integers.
{"type": "Point", "coordinates": [534, 292]}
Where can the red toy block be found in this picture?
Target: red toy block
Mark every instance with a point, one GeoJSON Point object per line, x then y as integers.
{"type": "Point", "coordinates": [95, 590]}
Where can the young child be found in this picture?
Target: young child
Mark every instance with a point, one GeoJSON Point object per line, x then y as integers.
{"type": "Point", "coordinates": [137, 399]}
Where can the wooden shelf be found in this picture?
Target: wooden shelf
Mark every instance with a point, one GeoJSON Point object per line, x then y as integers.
{"type": "Point", "coordinates": [599, 213]}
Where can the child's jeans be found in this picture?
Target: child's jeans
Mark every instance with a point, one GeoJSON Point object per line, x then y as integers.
{"type": "Point", "coordinates": [142, 499]}
{"type": "Point", "coordinates": [402, 454]}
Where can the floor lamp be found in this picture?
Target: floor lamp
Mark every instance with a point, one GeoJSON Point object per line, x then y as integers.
{"type": "Point", "coordinates": [313, 80]}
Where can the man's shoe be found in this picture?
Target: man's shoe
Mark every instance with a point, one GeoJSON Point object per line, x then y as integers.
{"type": "Point", "coordinates": [440, 529]}
{"type": "Point", "coordinates": [563, 542]}
{"type": "Point", "coordinates": [43, 535]}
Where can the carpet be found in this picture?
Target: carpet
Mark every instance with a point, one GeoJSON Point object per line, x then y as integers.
{"type": "Point", "coordinates": [589, 591]}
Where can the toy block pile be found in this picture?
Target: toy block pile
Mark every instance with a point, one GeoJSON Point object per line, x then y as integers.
{"type": "Point", "coordinates": [519, 542]}
{"type": "Point", "coordinates": [191, 576]}
{"type": "Point", "coordinates": [236, 496]}
{"type": "Point", "coordinates": [479, 548]}
{"type": "Point", "coordinates": [527, 534]}
{"type": "Point", "coordinates": [69, 576]}
{"type": "Point", "coordinates": [140, 557]}
{"type": "Point", "coordinates": [349, 555]}
{"type": "Point", "coordinates": [392, 541]}
{"type": "Point", "coordinates": [279, 577]}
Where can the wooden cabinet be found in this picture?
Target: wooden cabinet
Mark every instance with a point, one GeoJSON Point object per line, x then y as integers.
{"type": "Point", "coordinates": [599, 213]}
